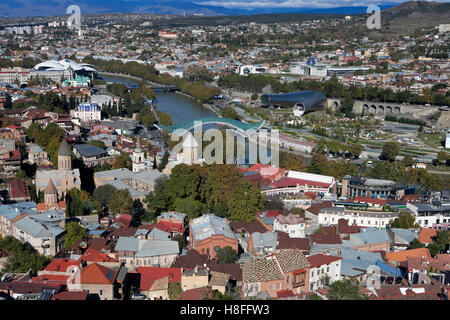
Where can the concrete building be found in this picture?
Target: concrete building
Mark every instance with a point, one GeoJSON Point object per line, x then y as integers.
{"type": "Point", "coordinates": [136, 252]}
{"type": "Point", "coordinates": [324, 270]}
{"type": "Point", "coordinates": [356, 186]}
{"type": "Point", "coordinates": [88, 112]}
{"type": "Point", "coordinates": [293, 225]}
{"type": "Point", "coordinates": [138, 183]}
{"type": "Point", "coordinates": [209, 233]}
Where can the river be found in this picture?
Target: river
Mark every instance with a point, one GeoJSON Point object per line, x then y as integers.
{"type": "Point", "coordinates": [179, 107]}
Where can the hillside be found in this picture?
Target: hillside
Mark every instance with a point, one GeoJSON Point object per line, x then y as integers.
{"type": "Point", "coordinates": [412, 15]}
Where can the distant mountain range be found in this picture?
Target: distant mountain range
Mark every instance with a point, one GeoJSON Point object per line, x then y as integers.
{"type": "Point", "coordinates": [27, 8]}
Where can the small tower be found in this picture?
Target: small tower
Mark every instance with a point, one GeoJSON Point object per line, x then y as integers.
{"type": "Point", "coordinates": [50, 194]}
{"type": "Point", "coordinates": [138, 157]}
{"type": "Point", "coordinates": [64, 157]}
{"type": "Point", "coordinates": [190, 149]}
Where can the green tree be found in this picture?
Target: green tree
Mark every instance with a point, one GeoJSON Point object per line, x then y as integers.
{"type": "Point", "coordinates": [390, 150]}
{"type": "Point", "coordinates": [245, 201]}
{"type": "Point", "coordinates": [405, 220]}
{"type": "Point", "coordinates": [174, 290]}
{"type": "Point", "coordinates": [21, 174]}
{"type": "Point", "coordinates": [226, 255]}
{"type": "Point", "coordinates": [164, 118]}
{"type": "Point", "coordinates": [193, 208]}
{"type": "Point", "coordinates": [122, 161]}
{"type": "Point", "coordinates": [164, 161]}
{"type": "Point", "coordinates": [408, 161]}
{"type": "Point", "coordinates": [121, 202]}
{"type": "Point", "coordinates": [74, 232]}
{"type": "Point", "coordinates": [229, 112]}
{"type": "Point", "coordinates": [345, 290]}
{"type": "Point", "coordinates": [415, 244]}
{"type": "Point", "coordinates": [146, 117]}
{"type": "Point", "coordinates": [104, 193]}
{"type": "Point", "coordinates": [442, 157]}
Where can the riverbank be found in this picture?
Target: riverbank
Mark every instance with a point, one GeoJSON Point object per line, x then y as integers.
{"type": "Point", "coordinates": [205, 105]}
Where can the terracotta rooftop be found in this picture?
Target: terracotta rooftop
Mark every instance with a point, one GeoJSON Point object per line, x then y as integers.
{"type": "Point", "coordinates": [426, 235]}
{"type": "Point", "coordinates": [321, 259]}
{"type": "Point", "coordinates": [404, 255]}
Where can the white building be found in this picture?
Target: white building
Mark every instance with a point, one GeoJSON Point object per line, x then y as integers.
{"type": "Point", "coordinates": [12, 75]}
{"type": "Point", "coordinates": [248, 69]}
{"type": "Point", "coordinates": [88, 112]}
{"type": "Point", "coordinates": [323, 269]}
{"type": "Point", "coordinates": [138, 157]}
{"type": "Point", "coordinates": [377, 219]}
{"type": "Point", "coordinates": [447, 141]}
{"type": "Point", "coordinates": [293, 225]}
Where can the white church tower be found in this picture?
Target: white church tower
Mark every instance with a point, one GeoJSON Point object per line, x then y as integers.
{"type": "Point", "coordinates": [138, 158]}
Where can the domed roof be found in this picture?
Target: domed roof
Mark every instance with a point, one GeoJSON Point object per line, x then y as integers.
{"type": "Point", "coordinates": [64, 149]}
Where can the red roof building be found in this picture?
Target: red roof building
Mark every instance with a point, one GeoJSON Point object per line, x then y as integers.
{"type": "Point", "coordinates": [18, 190]}
{"type": "Point", "coordinates": [148, 275]}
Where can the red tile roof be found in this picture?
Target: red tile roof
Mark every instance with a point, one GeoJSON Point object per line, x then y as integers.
{"type": "Point", "coordinates": [321, 259]}
{"type": "Point", "coordinates": [170, 226]}
{"type": "Point", "coordinates": [315, 208]}
{"type": "Point", "coordinates": [60, 265]}
{"type": "Point", "coordinates": [196, 294]}
{"type": "Point", "coordinates": [151, 274]}
{"type": "Point", "coordinates": [92, 255]}
{"type": "Point", "coordinates": [427, 234]}
{"type": "Point", "coordinates": [293, 182]}
{"type": "Point", "coordinates": [51, 278]}
{"type": "Point", "coordinates": [72, 295]}
{"type": "Point", "coordinates": [326, 238]}
{"type": "Point", "coordinates": [404, 255]}
{"type": "Point", "coordinates": [18, 189]}
{"type": "Point", "coordinates": [97, 274]}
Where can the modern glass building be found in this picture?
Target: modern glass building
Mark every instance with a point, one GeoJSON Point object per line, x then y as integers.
{"type": "Point", "coordinates": [302, 102]}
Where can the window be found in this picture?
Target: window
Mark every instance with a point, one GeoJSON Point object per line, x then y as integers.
{"type": "Point", "coordinates": [288, 278]}
{"type": "Point", "coordinates": [312, 273]}
{"type": "Point", "coordinates": [272, 287]}
{"type": "Point", "coordinates": [101, 292]}
{"type": "Point", "coordinates": [328, 269]}
{"type": "Point", "coordinates": [279, 286]}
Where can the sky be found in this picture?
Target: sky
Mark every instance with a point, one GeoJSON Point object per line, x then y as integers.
{"type": "Point", "coordinates": [251, 4]}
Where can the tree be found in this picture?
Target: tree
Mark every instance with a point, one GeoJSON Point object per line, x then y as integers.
{"type": "Point", "coordinates": [405, 220]}
{"type": "Point", "coordinates": [164, 161]}
{"type": "Point", "coordinates": [226, 255]}
{"type": "Point", "coordinates": [408, 161]}
{"type": "Point", "coordinates": [415, 244]}
{"type": "Point", "coordinates": [122, 161]}
{"type": "Point", "coordinates": [121, 202]}
{"type": "Point", "coordinates": [345, 290]}
{"type": "Point", "coordinates": [146, 117]}
{"type": "Point", "coordinates": [193, 208]}
{"type": "Point", "coordinates": [21, 174]}
{"type": "Point", "coordinates": [181, 241]}
{"type": "Point", "coordinates": [104, 193]}
{"type": "Point", "coordinates": [390, 150]}
{"type": "Point", "coordinates": [229, 112]}
{"type": "Point", "coordinates": [174, 290]}
{"type": "Point", "coordinates": [164, 118]}
{"type": "Point", "coordinates": [245, 201]}
{"type": "Point", "coordinates": [442, 157]}
{"type": "Point", "coordinates": [74, 232]}
{"type": "Point", "coordinates": [290, 161]}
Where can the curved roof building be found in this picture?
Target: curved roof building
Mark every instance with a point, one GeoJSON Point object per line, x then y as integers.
{"type": "Point", "coordinates": [302, 102]}
{"type": "Point", "coordinates": [62, 65]}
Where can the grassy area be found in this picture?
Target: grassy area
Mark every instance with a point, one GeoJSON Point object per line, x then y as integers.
{"type": "Point", "coordinates": [432, 139]}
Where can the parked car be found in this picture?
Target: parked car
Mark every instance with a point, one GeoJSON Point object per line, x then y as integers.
{"type": "Point", "coordinates": [398, 280]}
{"type": "Point", "coordinates": [138, 296]}
{"type": "Point", "coordinates": [389, 280]}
